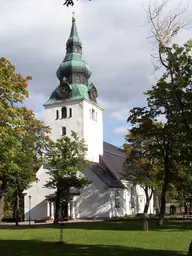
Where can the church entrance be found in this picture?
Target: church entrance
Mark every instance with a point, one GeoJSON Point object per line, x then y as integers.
{"type": "Point", "coordinates": [172, 210]}
{"type": "Point", "coordinates": [64, 210]}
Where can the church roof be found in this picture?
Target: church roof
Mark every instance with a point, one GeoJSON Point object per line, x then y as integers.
{"type": "Point", "coordinates": [110, 167]}
{"type": "Point", "coordinates": [73, 73]}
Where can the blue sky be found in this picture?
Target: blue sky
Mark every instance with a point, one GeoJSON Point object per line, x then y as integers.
{"type": "Point", "coordinates": [114, 35]}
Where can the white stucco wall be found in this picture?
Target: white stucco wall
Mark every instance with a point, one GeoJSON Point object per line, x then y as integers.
{"type": "Point", "coordinates": [138, 199]}
{"type": "Point", "coordinates": [94, 200]}
{"type": "Point", "coordinates": [74, 123]}
{"type": "Point", "coordinates": [80, 122]}
{"type": "Point", "coordinates": [93, 130]}
{"type": "Point", "coordinates": [175, 204]}
{"type": "Point", "coordinates": [37, 191]}
{"type": "Point", "coordinates": [141, 198]}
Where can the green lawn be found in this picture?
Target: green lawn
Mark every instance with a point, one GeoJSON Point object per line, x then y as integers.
{"type": "Point", "coordinates": [97, 239]}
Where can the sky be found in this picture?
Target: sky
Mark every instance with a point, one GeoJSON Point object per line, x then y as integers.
{"type": "Point", "coordinates": [114, 33]}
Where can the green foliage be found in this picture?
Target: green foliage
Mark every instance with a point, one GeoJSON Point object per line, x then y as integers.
{"type": "Point", "coordinates": [22, 136]}
{"type": "Point", "coordinates": [168, 144]}
{"type": "Point", "coordinates": [66, 159]}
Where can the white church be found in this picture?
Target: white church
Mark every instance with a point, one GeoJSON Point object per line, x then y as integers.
{"type": "Point", "coordinates": [73, 106]}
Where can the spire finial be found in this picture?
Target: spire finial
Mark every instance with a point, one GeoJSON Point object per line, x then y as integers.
{"type": "Point", "coordinates": [73, 16]}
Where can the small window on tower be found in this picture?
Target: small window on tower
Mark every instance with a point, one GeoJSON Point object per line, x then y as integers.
{"type": "Point", "coordinates": [70, 112]}
{"type": "Point", "coordinates": [96, 116]}
{"type": "Point", "coordinates": [57, 114]}
{"type": "Point", "coordinates": [93, 114]}
{"type": "Point", "coordinates": [90, 114]}
{"type": "Point", "coordinates": [63, 131]}
{"type": "Point", "coordinates": [64, 112]}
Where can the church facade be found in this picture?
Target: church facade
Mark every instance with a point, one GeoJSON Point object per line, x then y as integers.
{"type": "Point", "coordinates": [73, 106]}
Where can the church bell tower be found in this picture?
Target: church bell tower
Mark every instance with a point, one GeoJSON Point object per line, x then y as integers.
{"type": "Point", "coordinates": [73, 104]}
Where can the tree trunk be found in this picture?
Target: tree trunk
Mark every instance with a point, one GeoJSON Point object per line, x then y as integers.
{"type": "Point", "coordinates": [2, 202]}
{"type": "Point", "coordinates": [163, 201]}
{"type": "Point", "coordinates": [148, 199]}
{"type": "Point", "coordinates": [14, 207]}
{"type": "Point", "coordinates": [186, 208]}
{"type": "Point", "coordinates": [190, 205]}
{"type": "Point", "coordinates": [17, 210]}
{"type": "Point", "coordinates": [190, 249]}
{"type": "Point", "coordinates": [57, 206]}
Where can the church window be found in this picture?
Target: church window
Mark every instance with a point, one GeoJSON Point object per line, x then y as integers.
{"type": "Point", "coordinates": [90, 114]}
{"type": "Point", "coordinates": [63, 131]}
{"type": "Point", "coordinates": [70, 112]}
{"type": "Point", "coordinates": [93, 114]}
{"type": "Point", "coordinates": [57, 114]}
{"type": "Point", "coordinates": [64, 112]}
{"type": "Point", "coordinates": [96, 116]}
{"type": "Point", "coordinates": [117, 199]}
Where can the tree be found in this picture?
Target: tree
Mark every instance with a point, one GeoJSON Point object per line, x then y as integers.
{"type": "Point", "coordinates": [22, 136]}
{"type": "Point", "coordinates": [31, 142]}
{"type": "Point", "coordinates": [66, 160]}
{"type": "Point", "coordinates": [171, 98]}
{"type": "Point", "coordinates": [142, 165]}
{"type": "Point", "coordinates": [12, 91]}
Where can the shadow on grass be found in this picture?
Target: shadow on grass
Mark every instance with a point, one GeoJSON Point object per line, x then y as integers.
{"type": "Point", "coordinates": [134, 225]}
{"type": "Point", "coordinates": [40, 248]}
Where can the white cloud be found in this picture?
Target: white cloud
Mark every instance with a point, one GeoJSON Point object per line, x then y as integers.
{"type": "Point", "coordinates": [34, 34]}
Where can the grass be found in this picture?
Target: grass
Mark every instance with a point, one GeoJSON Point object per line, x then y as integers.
{"type": "Point", "coordinates": [97, 239]}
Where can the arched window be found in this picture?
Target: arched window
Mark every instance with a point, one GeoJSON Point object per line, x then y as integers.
{"type": "Point", "coordinates": [93, 114]}
{"type": "Point", "coordinates": [96, 117]}
{"type": "Point", "coordinates": [64, 112]}
{"type": "Point", "coordinates": [70, 112]}
{"type": "Point", "coordinates": [117, 199]}
{"type": "Point", "coordinates": [57, 114]}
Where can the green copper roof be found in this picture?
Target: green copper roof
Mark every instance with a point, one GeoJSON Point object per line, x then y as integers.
{"type": "Point", "coordinates": [74, 62]}
{"type": "Point", "coordinates": [78, 91]}
{"type": "Point", "coordinates": [73, 74]}
{"type": "Point", "coordinates": [74, 37]}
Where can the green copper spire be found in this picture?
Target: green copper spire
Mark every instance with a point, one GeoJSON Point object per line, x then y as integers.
{"type": "Point", "coordinates": [74, 67]}
{"type": "Point", "coordinates": [73, 73]}
{"type": "Point", "coordinates": [74, 38]}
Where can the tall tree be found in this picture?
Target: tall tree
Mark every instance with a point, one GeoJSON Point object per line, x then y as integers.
{"type": "Point", "coordinates": [171, 98]}
{"type": "Point", "coordinates": [12, 91]}
{"type": "Point", "coordinates": [22, 136]}
{"type": "Point", "coordinates": [66, 160]}
{"type": "Point", "coordinates": [31, 143]}
{"type": "Point", "coordinates": [142, 165]}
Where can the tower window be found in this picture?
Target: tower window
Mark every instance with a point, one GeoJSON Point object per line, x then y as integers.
{"type": "Point", "coordinates": [90, 114]}
{"type": "Point", "coordinates": [64, 112]}
{"type": "Point", "coordinates": [96, 117]}
{"type": "Point", "coordinates": [63, 131]}
{"type": "Point", "coordinates": [70, 112]}
{"type": "Point", "coordinates": [93, 114]}
{"type": "Point", "coordinates": [57, 114]}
